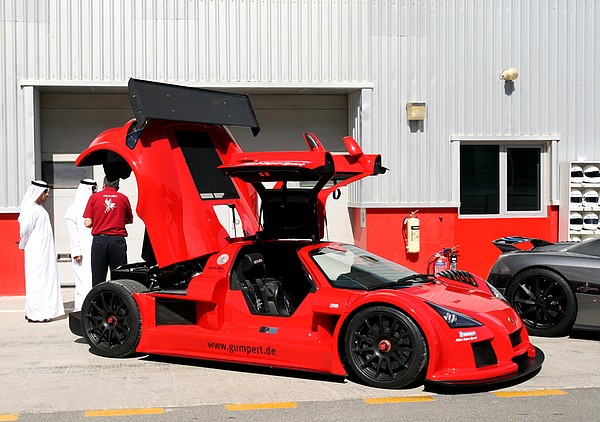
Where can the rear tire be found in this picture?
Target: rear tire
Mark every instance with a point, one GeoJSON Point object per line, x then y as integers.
{"type": "Point", "coordinates": [110, 318]}
{"type": "Point", "coordinates": [544, 301]}
{"type": "Point", "coordinates": [385, 348]}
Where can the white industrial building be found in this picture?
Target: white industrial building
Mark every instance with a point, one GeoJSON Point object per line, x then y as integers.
{"type": "Point", "coordinates": [332, 67]}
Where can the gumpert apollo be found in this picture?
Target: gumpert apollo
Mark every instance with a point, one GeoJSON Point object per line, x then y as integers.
{"type": "Point", "coordinates": [235, 268]}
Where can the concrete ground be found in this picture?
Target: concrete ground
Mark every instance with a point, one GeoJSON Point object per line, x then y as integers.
{"type": "Point", "coordinates": [45, 368]}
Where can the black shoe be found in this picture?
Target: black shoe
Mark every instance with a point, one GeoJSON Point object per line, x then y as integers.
{"type": "Point", "coordinates": [35, 321]}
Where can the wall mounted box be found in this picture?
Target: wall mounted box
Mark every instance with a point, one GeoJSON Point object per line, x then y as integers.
{"type": "Point", "coordinates": [416, 110]}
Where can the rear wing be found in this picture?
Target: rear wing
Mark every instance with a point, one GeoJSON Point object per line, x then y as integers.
{"type": "Point", "coordinates": [507, 244]}
{"type": "Point", "coordinates": [154, 100]}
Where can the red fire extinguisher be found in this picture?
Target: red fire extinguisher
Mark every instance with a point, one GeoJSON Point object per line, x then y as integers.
{"type": "Point", "coordinates": [441, 264]}
{"type": "Point", "coordinates": [446, 259]}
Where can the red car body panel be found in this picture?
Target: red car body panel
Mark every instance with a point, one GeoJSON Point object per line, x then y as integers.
{"type": "Point", "coordinates": [310, 338]}
{"type": "Point", "coordinates": [208, 314]}
{"type": "Point", "coordinates": [169, 203]}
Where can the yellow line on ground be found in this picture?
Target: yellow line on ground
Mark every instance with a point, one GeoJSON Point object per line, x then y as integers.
{"type": "Point", "coordinates": [410, 399]}
{"type": "Point", "coordinates": [530, 393]}
{"type": "Point", "coordinates": [261, 406]}
{"type": "Point", "coordinates": [125, 412]}
{"type": "Point", "coordinates": [9, 418]}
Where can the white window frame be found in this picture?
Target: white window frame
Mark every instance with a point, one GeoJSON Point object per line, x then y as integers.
{"type": "Point", "coordinates": [548, 169]}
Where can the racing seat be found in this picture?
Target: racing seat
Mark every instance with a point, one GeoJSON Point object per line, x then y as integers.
{"type": "Point", "coordinates": [265, 295]}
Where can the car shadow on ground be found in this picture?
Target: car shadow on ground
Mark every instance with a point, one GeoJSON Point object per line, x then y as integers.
{"type": "Point", "coordinates": [240, 367]}
{"type": "Point", "coordinates": [289, 373]}
{"type": "Point", "coordinates": [585, 335]}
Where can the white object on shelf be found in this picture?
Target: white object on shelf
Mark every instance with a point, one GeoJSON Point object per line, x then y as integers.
{"type": "Point", "coordinates": [579, 210]}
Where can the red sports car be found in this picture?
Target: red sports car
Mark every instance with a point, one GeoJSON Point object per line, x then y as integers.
{"type": "Point", "coordinates": [263, 288]}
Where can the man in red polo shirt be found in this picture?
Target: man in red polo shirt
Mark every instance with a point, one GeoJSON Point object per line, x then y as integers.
{"type": "Point", "coordinates": [107, 212]}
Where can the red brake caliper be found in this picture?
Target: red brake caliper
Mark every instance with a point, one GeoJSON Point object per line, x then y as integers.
{"type": "Point", "coordinates": [385, 346]}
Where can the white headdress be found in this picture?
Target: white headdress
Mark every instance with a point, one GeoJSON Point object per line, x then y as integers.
{"type": "Point", "coordinates": [34, 191]}
{"type": "Point", "coordinates": [84, 191]}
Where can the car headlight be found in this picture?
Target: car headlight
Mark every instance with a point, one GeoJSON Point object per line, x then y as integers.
{"type": "Point", "coordinates": [455, 319]}
{"type": "Point", "coordinates": [496, 293]}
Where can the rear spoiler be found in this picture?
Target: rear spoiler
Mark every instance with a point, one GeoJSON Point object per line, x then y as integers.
{"type": "Point", "coordinates": [154, 100]}
{"type": "Point", "coordinates": [507, 244]}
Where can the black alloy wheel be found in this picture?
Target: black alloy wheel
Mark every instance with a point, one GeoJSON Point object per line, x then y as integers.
{"type": "Point", "coordinates": [385, 348]}
{"type": "Point", "coordinates": [544, 301]}
{"type": "Point", "coordinates": [110, 318]}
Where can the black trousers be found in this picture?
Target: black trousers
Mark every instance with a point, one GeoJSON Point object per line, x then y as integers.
{"type": "Point", "coordinates": [107, 251]}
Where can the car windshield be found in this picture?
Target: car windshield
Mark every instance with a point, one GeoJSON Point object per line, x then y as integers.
{"type": "Point", "coordinates": [350, 267]}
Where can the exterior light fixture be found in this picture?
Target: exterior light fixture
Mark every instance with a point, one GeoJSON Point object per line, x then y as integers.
{"type": "Point", "coordinates": [416, 110]}
{"type": "Point", "coordinates": [509, 74]}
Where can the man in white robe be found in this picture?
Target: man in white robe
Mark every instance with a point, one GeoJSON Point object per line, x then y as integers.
{"type": "Point", "coordinates": [43, 297]}
{"type": "Point", "coordinates": [80, 239]}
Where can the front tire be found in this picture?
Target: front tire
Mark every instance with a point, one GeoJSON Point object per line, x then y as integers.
{"type": "Point", "coordinates": [385, 348]}
{"type": "Point", "coordinates": [544, 301]}
{"type": "Point", "coordinates": [111, 319]}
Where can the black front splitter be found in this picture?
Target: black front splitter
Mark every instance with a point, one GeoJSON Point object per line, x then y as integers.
{"type": "Point", "coordinates": [526, 368]}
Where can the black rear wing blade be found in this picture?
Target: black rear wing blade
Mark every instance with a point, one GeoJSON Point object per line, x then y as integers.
{"type": "Point", "coordinates": [154, 100]}
{"type": "Point", "coordinates": [507, 244]}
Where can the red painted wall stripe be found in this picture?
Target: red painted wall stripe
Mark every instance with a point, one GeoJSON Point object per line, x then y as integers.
{"type": "Point", "coordinates": [441, 227]}
{"type": "Point", "coordinates": [12, 278]}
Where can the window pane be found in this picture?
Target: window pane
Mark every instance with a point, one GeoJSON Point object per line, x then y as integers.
{"type": "Point", "coordinates": [523, 179]}
{"type": "Point", "coordinates": [64, 175]}
{"type": "Point", "coordinates": [479, 179]}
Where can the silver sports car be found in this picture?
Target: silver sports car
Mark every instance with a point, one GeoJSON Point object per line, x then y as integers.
{"type": "Point", "coordinates": [553, 286]}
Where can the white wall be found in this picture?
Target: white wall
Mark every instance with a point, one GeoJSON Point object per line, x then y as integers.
{"type": "Point", "coordinates": [448, 54]}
